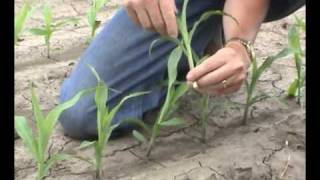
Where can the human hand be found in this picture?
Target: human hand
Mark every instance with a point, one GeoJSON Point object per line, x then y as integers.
{"type": "Point", "coordinates": [154, 15]}
{"type": "Point", "coordinates": [222, 73]}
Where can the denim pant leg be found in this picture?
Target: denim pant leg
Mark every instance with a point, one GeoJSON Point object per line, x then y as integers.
{"type": "Point", "coordinates": [119, 53]}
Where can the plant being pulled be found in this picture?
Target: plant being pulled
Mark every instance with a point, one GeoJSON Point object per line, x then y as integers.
{"type": "Point", "coordinates": [174, 92]}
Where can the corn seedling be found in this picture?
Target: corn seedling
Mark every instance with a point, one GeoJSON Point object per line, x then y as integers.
{"type": "Point", "coordinates": [104, 120]}
{"type": "Point", "coordinates": [256, 72]}
{"type": "Point", "coordinates": [38, 144]}
{"type": "Point", "coordinates": [183, 47]}
{"type": "Point", "coordinates": [50, 26]}
{"type": "Point", "coordinates": [295, 87]}
{"type": "Point", "coordinates": [95, 8]}
{"type": "Point", "coordinates": [20, 20]}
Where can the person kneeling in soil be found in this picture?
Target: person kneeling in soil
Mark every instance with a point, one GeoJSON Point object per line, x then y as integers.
{"type": "Point", "coordinates": [119, 53]}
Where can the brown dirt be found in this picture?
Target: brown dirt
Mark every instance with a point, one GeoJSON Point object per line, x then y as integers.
{"type": "Point", "coordinates": [232, 152]}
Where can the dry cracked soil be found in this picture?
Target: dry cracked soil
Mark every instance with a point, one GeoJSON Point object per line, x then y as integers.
{"type": "Point", "coordinates": [256, 151]}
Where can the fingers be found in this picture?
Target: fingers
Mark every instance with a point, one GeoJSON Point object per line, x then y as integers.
{"type": "Point", "coordinates": [133, 16]}
{"type": "Point", "coordinates": [209, 65]}
{"type": "Point", "coordinates": [234, 81]}
{"type": "Point", "coordinates": [154, 15]}
{"type": "Point", "coordinates": [168, 9]}
{"type": "Point", "coordinates": [229, 90]}
{"type": "Point", "coordinates": [144, 18]}
{"type": "Point", "coordinates": [138, 13]}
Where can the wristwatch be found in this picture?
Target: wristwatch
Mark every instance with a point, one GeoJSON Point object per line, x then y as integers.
{"type": "Point", "coordinates": [247, 44]}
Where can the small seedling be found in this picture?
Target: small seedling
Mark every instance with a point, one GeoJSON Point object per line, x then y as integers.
{"type": "Point", "coordinates": [295, 87]}
{"type": "Point", "coordinates": [20, 20]}
{"type": "Point", "coordinates": [95, 8]}
{"type": "Point", "coordinates": [104, 121]}
{"type": "Point", "coordinates": [50, 26]}
{"type": "Point", "coordinates": [256, 72]}
{"type": "Point", "coordinates": [38, 144]}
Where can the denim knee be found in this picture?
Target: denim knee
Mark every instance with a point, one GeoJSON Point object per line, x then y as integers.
{"type": "Point", "coordinates": [79, 121]}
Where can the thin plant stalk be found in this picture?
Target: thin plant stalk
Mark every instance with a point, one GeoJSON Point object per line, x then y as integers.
{"type": "Point", "coordinates": [95, 8]}
{"type": "Point", "coordinates": [104, 121]}
{"type": "Point", "coordinates": [49, 26]}
{"type": "Point", "coordinates": [256, 72]}
{"type": "Point", "coordinates": [295, 87]}
{"type": "Point", "coordinates": [37, 144]}
{"type": "Point", "coordinates": [20, 20]}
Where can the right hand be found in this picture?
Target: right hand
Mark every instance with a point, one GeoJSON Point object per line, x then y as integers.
{"type": "Point", "coordinates": [154, 15]}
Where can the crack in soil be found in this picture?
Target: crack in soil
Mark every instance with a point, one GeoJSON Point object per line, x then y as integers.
{"type": "Point", "coordinates": [201, 167]}
{"type": "Point", "coordinates": [267, 158]}
{"type": "Point", "coordinates": [149, 159]}
{"type": "Point", "coordinates": [275, 86]}
{"type": "Point", "coordinates": [213, 170]}
{"type": "Point", "coordinates": [113, 153]}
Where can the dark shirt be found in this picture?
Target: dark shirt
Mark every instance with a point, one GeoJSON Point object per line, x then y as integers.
{"type": "Point", "coordinates": [281, 8]}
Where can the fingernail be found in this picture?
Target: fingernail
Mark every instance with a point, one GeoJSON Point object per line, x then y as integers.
{"type": "Point", "coordinates": [195, 85]}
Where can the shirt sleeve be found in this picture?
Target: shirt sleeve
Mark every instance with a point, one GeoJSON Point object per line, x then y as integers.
{"type": "Point", "coordinates": [279, 9]}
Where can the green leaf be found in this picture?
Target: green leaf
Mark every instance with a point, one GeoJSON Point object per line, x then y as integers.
{"type": "Point", "coordinates": [39, 118]}
{"type": "Point", "coordinates": [109, 131]}
{"type": "Point", "coordinates": [99, 4]}
{"type": "Point", "coordinates": [202, 59]}
{"type": "Point", "coordinates": [67, 21]}
{"type": "Point", "coordinates": [294, 40]}
{"type": "Point", "coordinates": [91, 16]}
{"type": "Point", "coordinates": [173, 62]}
{"type": "Point", "coordinates": [179, 92]}
{"type": "Point", "coordinates": [117, 107]}
{"type": "Point", "coordinates": [25, 132]}
{"type": "Point", "coordinates": [53, 160]}
{"type": "Point", "coordinates": [94, 72]}
{"type": "Point", "coordinates": [101, 98]}
{"type": "Point", "coordinates": [171, 122]}
{"type": "Point", "coordinates": [292, 90]}
{"type": "Point", "coordinates": [138, 122]}
{"type": "Point", "coordinates": [300, 23]}
{"type": "Point", "coordinates": [86, 144]}
{"type": "Point", "coordinates": [54, 114]}
{"type": "Point", "coordinates": [139, 136]}
{"type": "Point", "coordinates": [184, 16]}
{"type": "Point", "coordinates": [47, 13]}
{"type": "Point", "coordinates": [20, 20]}
{"type": "Point", "coordinates": [267, 63]}
{"type": "Point", "coordinates": [163, 39]}
{"type": "Point", "coordinates": [206, 16]}
{"type": "Point", "coordinates": [38, 31]}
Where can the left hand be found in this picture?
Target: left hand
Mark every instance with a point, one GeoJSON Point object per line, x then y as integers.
{"type": "Point", "coordinates": [230, 64]}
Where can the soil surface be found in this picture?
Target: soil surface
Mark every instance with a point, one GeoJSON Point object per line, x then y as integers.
{"type": "Point", "coordinates": [256, 151]}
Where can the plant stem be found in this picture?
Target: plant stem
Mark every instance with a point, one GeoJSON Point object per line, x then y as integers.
{"type": "Point", "coordinates": [48, 50]}
{"type": "Point", "coordinates": [152, 139]}
{"type": "Point", "coordinates": [190, 57]}
{"type": "Point", "coordinates": [246, 110]}
{"type": "Point", "coordinates": [40, 171]}
{"type": "Point", "coordinates": [98, 163]}
{"type": "Point", "coordinates": [204, 117]}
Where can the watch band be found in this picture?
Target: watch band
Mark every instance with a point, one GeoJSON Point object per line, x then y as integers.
{"type": "Point", "coordinates": [247, 44]}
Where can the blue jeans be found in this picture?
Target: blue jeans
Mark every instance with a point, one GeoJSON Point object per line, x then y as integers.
{"type": "Point", "coordinates": [119, 53]}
